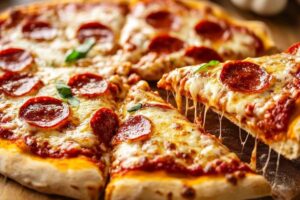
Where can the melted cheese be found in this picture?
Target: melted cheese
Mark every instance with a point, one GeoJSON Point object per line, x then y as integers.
{"type": "Point", "coordinates": [202, 149]}
{"type": "Point", "coordinates": [82, 135]}
{"type": "Point", "coordinates": [212, 92]}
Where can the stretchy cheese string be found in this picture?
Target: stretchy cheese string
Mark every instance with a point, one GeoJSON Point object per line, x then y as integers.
{"type": "Point", "coordinates": [220, 125]}
{"type": "Point", "coordinates": [264, 169]}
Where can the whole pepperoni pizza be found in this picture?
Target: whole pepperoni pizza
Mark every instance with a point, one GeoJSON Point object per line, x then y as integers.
{"type": "Point", "coordinates": [78, 119]}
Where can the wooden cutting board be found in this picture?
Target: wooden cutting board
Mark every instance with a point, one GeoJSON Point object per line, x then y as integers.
{"type": "Point", "coordinates": [285, 29]}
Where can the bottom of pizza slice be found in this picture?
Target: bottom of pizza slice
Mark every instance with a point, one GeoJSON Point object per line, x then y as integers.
{"type": "Point", "coordinates": [159, 154]}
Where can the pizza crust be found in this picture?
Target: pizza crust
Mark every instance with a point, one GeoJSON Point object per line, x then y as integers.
{"type": "Point", "coordinates": [52, 176]}
{"type": "Point", "coordinates": [159, 185]}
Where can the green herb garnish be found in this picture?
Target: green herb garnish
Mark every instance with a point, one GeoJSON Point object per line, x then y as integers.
{"type": "Point", "coordinates": [135, 107]}
{"type": "Point", "coordinates": [81, 51]}
{"type": "Point", "coordinates": [205, 66]}
{"type": "Point", "coordinates": [65, 93]}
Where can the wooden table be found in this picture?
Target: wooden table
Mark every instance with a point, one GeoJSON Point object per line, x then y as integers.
{"type": "Point", "coordinates": [285, 29]}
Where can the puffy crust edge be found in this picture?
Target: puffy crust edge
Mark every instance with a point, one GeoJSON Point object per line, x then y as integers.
{"type": "Point", "coordinates": [45, 176]}
{"type": "Point", "coordinates": [141, 186]}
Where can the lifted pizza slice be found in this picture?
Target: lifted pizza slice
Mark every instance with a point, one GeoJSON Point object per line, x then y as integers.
{"type": "Point", "coordinates": [158, 153]}
{"type": "Point", "coordinates": [261, 95]}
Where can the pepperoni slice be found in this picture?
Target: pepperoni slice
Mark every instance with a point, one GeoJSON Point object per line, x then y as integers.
{"type": "Point", "coordinates": [16, 85]}
{"type": "Point", "coordinates": [14, 59]}
{"type": "Point", "coordinates": [6, 134]}
{"type": "Point", "coordinates": [45, 112]}
{"type": "Point", "coordinates": [39, 30]}
{"type": "Point", "coordinates": [165, 44]}
{"type": "Point", "coordinates": [135, 128]}
{"type": "Point", "coordinates": [294, 49]}
{"type": "Point", "coordinates": [202, 54]}
{"type": "Point", "coordinates": [88, 85]}
{"type": "Point", "coordinates": [247, 77]}
{"type": "Point", "coordinates": [209, 29]}
{"type": "Point", "coordinates": [162, 19]}
{"type": "Point", "coordinates": [105, 124]}
{"type": "Point", "coordinates": [95, 30]}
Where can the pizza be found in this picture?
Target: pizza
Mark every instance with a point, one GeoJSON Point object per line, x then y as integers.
{"type": "Point", "coordinates": [261, 95]}
{"type": "Point", "coordinates": [69, 74]}
{"type": "Point", "coordinates": [172, 159]}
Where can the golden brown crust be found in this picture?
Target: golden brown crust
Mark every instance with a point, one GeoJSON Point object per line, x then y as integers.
{"type": "Point", "coordinates": [159, 185]}
{"type": "Point", "coordinates": [78, 178]}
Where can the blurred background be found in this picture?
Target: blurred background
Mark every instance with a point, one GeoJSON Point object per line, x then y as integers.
{"type": "Point", "coordinates": [281, 16]}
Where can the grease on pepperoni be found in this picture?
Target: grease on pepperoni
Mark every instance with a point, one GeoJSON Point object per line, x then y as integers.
{"type": "Point", "coordinates": [39, 30]}
{"type": "Point", "coordinates": [294, 49]}
{"type": "Point", "coordinates": [164, 44]}
{"type": "Point", "coordinates": [104, 124]}
{"type": "Point", "coordinates": [95, 30]}
{"type": "Point", "coordinates": [16, 85]}
{"type": "Point", "coordinates": [45, 112]}
{"type": "Point", "coordinates": [15, 59]}
{"type": "Point", "coordinates": [246, 77]}
{"type": "Point", "coordinates": [135, 128]}
{"type": "Point", "coordinates": [210, 30]}
{"type": "Point", "coordinates": [88, 85]}
{"type": "Point", "coordinates": [202, 54]}
{"type": "Point", "coordinates": [162, 19]}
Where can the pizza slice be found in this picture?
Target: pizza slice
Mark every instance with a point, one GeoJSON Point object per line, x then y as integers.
{"type": "Point", "coordinates": [55, 129]}
{"type": "Point", "coordinates": [162, 35]}
{"type": "Point", "coordinates": [261, 95]}
{"type": "Point", "coordinates": [158, 153]}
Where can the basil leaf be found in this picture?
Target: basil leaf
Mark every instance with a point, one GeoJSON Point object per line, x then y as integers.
{"type": "Point", "coordinates": [63, 90]}
{"type": "Point", "coordinates": [81, 51]}
{"type": "Point", "coordinates": [135, 107]}
{"type": "Point", "coordinates": [65, 93]}
{"type": "Point", "coordinates": [205, 66]}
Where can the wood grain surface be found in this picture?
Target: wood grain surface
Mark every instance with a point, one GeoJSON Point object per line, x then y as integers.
{"type": "Point", "coordinates": [285, 29]}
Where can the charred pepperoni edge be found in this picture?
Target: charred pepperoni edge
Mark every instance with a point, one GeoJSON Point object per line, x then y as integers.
{"type": "Point", "coordinates": [93, 25]}
{"type": "Point", "coordinates": [8, 51]}
{"type": "Point", "coordinates": [119, 137]}
{"type": "Point", "coordinates": [161, 19]}
{"type": "Point", "coordinates": [46, 99]}
{"type": "Point", "coordinates": [74, 80]}
{"type": "Point", "coordinates": [160, 41]}
{"type": "Point", "coordinates": [259, 45]}
{"type": "Point", "coordinates": [7, 134]}
{"type": "Point", "coordinates": [10, 75]}
{"type": "Point", "coordinates": [44, 150]}
{"type": "Point", "coordinates": [203, 54]}
{"type": "Point", "coordinates": [169, 165]}
{"type": "Point", "coordinates": [276, 118]}
{"type": "Point", "coordinates": [27, 29]}
{"type": "Point", "coordinates": [293, 49]}
{"type": "Point", "coordinates": [110, 121]}
{"type": "Point", "coordinates": [226, 69]}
